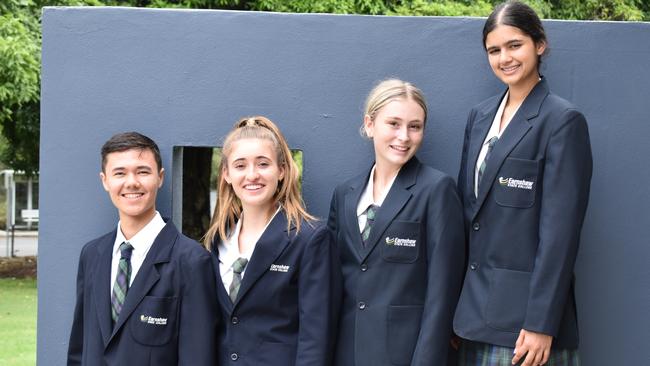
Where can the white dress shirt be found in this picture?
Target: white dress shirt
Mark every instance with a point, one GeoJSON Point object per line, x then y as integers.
{"type": "Point", "coordinates": [494, 131]}
{"type": "Point", "coordinates": [229, 252]}
{"type": "Point", "coordinates": [141, 243]}
{"type": "Point", "coordinates": [367, 198]}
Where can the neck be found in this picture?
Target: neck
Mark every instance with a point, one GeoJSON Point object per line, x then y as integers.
{"type": "Point", "coordinates": [519, 92]}
{"type": "Point", "coordinates": [384, 173]}
{"type": "Point", "coordinates": [256, 218]}
{"type": "Point", "coordinates": [132, 225]}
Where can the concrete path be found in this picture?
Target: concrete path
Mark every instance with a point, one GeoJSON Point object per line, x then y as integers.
{"type": "Point", "coordinates": [25, 243]}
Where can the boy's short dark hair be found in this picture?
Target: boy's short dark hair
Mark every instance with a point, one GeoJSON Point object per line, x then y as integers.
{"type": "Point", "coordinates": [127, 141]}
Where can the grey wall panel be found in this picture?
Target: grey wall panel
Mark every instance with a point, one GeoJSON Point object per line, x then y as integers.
{"type": "Point", "coordinates": [184, 77]}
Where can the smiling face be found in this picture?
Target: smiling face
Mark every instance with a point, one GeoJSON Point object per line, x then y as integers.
{"type": "Point", "coordinates": [514, 56]}
{"type": "Point", "coordinates": [253, 171]}
{"type": "Point", "coordinates": [396, 131]}
{"type": "Point", "coordinates": [132, 180]}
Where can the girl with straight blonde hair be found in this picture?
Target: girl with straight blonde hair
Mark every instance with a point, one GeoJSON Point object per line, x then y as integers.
{"type": "Point", "coordinates": [399, 230]}
{"type": "Point", "coordinates": [273, 261]}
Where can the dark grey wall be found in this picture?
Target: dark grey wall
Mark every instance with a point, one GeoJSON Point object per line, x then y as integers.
{"type": "Point", "coordinates": [183, 78]}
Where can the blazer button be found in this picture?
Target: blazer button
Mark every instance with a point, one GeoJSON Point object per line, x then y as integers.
{"type": "Point", "coordinates": [234, 357]}
{"type": "Point", "coordinates": [362, 305]}
{"type": "Point", "coordinates": [473, 266]}
{"type": "Point", "coordinates": [476, 226]}
{"type": "Point", "coordinates": [364, 267]}
{"type": "Point", "coordinates": [235, 320]}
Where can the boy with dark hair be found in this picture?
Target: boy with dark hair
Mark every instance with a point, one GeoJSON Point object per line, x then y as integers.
{"type": "Point", "coordinates": [145, 292]}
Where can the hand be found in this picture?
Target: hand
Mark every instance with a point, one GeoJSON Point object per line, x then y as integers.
{"type": "Point", "coordinates": [535, 346]}
{"type": "Point", "coordinates": [455, 342]}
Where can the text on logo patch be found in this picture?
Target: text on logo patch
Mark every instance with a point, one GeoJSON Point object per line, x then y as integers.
{"type": "Point", "coordinates": [279, 268]}
{"type": "Point", "coordinates": [152, 320]}
{"type": "Point", "coordinates": [399, 242]}
{"type": "Point", "coordinates": [516, 183]}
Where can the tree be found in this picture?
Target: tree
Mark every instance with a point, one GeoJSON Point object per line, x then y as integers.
{"type": "Point", "coordinates": [19, 88]}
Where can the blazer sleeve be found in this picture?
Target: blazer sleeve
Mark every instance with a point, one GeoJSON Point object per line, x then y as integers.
{"type": "Point", "coordinates": [318, 296]}
{"type": "Point", "coordinates": [565, 192]}
{"type": "Point", "coordinates": [462, 172]}
{"type": "Point", "coordinates": [445, 254]}
{"type": "Point", "coordinates": [197, 331]}
{"type": "Point", "coordinates": [332, 220]}
{"type": "Point", "coordinates": [75, 345]}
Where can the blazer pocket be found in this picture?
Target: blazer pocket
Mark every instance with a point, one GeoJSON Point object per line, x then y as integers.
{"type": "Point", "coordinates": [276, 353]}
{"type": "Point", "coordinates": [153, 323]}
{"type": "Point", "coordinates": [507, 299]}
{"type": "Point", "coordinates": [403, 331]}
{"type": "Point", "coordinates": [401, 242]}
{"type": "Point", "coordinates": [516, 183]}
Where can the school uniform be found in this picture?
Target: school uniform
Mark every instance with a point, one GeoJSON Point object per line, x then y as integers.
{"type": "Point", "coordinates": [284, 312]}
{"type": "Point", "coordinates": [523, 221]}
{"type": "Point", "coordinates": [169, 312]}
{"type": "Point", "coordinates": [400, 288]}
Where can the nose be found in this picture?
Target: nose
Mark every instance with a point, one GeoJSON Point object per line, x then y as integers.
{"type": "Point", "coordinates": [132, 180]}
{"type": "Point", "coordinates": [252, 173]}
{"type": "Point", "coordinates": [504, 56]}
{"type": "Point", "coordinates": [403, 133]}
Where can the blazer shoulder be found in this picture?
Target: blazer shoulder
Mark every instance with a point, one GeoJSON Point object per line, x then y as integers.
{"type": "Point", "coordinates": [310, 229]}
{"type": "Point", "coordinates": [97, 242]}
{"type": "Point", "coordinates": [433, 176]}
{"type": "Point", "coordinates": [560, 111]}
{"type": "Point", "coordinates": [487, 104]}
{"type": "Point", "coordinates": [189, 247]}
{"type": "Point", "coordinates": [353, 182]}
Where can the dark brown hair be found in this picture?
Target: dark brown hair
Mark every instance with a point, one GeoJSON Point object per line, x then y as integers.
{"type": "Point", "coordinates": [519, 15]}
{"type": "Point", "coordinates": [127, 141]}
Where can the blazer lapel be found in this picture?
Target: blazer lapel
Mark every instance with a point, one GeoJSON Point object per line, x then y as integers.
{"type": "Point", "coordinates": [268, 248]}
{"type": "Point", "coordinates": [516, 130]}
{"type": "Point", "coordinates": [352, 198]}
{"type": "Point", "coordinates": [102, 286]}
{"type": "Point", "coordinates": [148, 275]}
{"type": "Point", "coordinates": [479, 132]}
{"type": "Point", "coordinates": [397, 197]}
{"type": "Point", "coordinates": [222, 294]}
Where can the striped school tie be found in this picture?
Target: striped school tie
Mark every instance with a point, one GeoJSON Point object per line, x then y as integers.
{"type": "Point", "coordinates": [481, 169]}
{"type": "Point", "coordinates": [371, 212]}
{"type": "Point", "coordinates": [237, 269]}
{"type": "Point", "coordinates": [122, 280]}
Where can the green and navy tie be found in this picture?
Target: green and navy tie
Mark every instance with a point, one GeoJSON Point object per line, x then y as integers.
{"type": "Point", "coordinates": [481, 169]}
{"type": "Point", "coordinates": [237, 269]}
{"type": "Point", "coordinates": [122, 280]}
{"type": "Point", "coordinates": [371, 212]}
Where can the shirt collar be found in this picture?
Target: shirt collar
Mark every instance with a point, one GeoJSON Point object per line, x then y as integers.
{"type": "Point", "coordinates": [144, 238]}
{"type": "Point", "coordinates": [367, 196]}
{"type": "Point", "coordinates": [494, 129]}
{"type": "Point", "coordinates": [229, 248]}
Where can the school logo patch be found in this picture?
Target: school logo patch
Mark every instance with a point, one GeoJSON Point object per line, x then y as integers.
{"type": "Point", "coordinates": [279, 268]}
{"type": "Point", "coordinates": [516, 183]}
{"type": "Point", "coordinates": [399, 242]}
{"type": "Point", "coordinates": [153, 320]}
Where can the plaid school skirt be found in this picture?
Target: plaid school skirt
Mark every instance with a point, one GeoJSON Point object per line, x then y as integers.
{"type": "Point", "coordinates": [483, 354]}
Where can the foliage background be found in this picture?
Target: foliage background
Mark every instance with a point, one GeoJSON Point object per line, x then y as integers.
{"type": "Point", "coordinates": [20, 44]}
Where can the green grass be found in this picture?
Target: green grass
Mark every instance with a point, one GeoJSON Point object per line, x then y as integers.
{"type": "Point", "coordinates": [17, 322]}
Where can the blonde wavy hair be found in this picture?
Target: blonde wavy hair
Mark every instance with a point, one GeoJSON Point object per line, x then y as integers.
{"type": "Point", "coordinates": [229, 208]}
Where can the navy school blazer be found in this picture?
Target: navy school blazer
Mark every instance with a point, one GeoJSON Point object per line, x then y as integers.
{"type": "Point", "coordinates": [169, 315]}
{"type": "Point", "coordinates": [285, 312]}
{"type": "Point", "coordinates": [524, 227]}
{"type": "Point", "coordinates": [400, 291]}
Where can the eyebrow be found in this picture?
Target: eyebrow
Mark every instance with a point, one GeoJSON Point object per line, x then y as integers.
{"type": "Point", "coordinates": [400, 119]}
{"type": "Point", "coordinates": [516, 40]}
{"type": "Point", "coordinates": [139, 167]}
{"type": "Point", "coordinates": [256, 158]}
